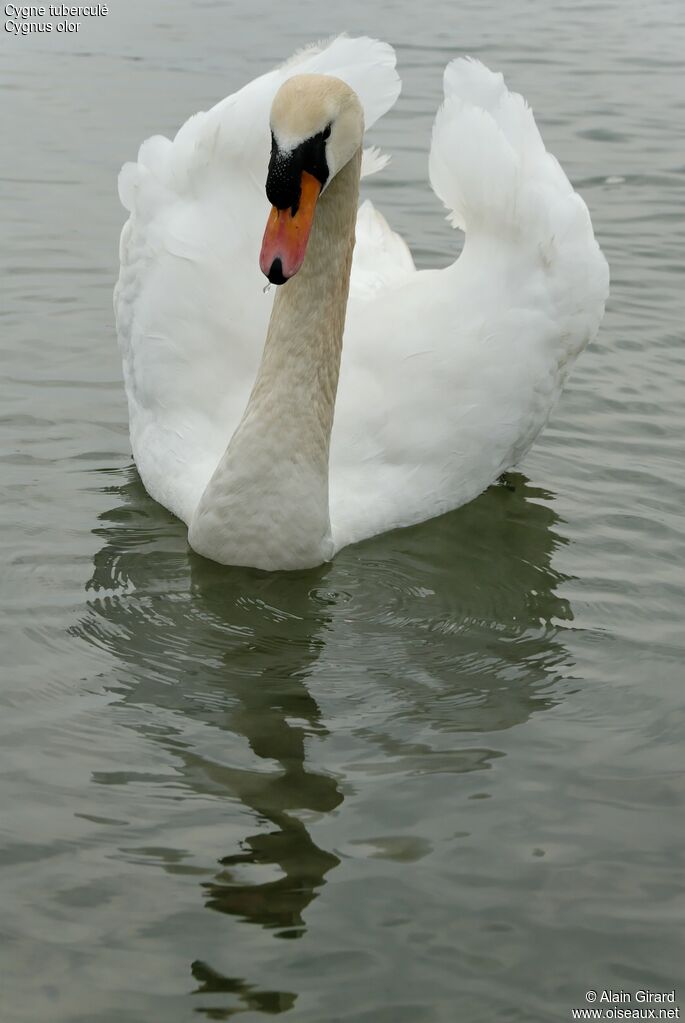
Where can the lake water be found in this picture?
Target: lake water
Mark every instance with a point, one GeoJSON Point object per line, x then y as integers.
{"type": "Point", "coordinates": [439, 779]}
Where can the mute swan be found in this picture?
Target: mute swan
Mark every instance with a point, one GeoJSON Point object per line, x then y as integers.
{"type": "Point", "coordinates": [447, 376]}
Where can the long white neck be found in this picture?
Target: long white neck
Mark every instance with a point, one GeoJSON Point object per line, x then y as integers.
{"type": "Point", "coordinates": [267, 503]}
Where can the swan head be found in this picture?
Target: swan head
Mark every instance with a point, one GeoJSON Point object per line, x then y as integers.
{"type": "Point", "coordinates": [317, 125]}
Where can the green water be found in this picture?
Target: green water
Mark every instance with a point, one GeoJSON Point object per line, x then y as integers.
{"type": "Point", "coordinates": [439, 779]}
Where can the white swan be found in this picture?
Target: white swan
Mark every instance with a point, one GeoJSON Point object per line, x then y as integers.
{"type": "Point", "coordinates": [447, 376]}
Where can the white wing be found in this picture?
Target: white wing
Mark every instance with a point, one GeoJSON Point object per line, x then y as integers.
{"type": "Point", "coordinates": [449, 375]}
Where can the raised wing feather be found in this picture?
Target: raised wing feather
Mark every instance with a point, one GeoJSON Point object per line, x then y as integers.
{"type": "Point", "coordinates": [381, 257]}
{"type": "Point", "coordinates": [449, 375]}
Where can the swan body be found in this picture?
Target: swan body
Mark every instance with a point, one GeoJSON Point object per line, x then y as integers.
{"type": "Point", "coordinates": [383, 395]}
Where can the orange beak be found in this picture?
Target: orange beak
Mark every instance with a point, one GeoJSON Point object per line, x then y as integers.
{"type": "Point", "coordinates": [286, 235]}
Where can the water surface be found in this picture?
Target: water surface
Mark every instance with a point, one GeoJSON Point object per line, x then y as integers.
{"type": "Point", "coordinates": [438, 779]}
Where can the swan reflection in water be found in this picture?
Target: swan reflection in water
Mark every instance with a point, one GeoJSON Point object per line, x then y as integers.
{"type": "Point", "coordinates": [453, 624]}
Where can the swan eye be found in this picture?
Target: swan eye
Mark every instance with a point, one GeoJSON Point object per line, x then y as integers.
{"type": "Point", "coordinates": [326, 133]}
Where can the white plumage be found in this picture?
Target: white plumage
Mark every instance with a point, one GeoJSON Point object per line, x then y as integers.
{"type": "Point", "coordinates": [447, 375]}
